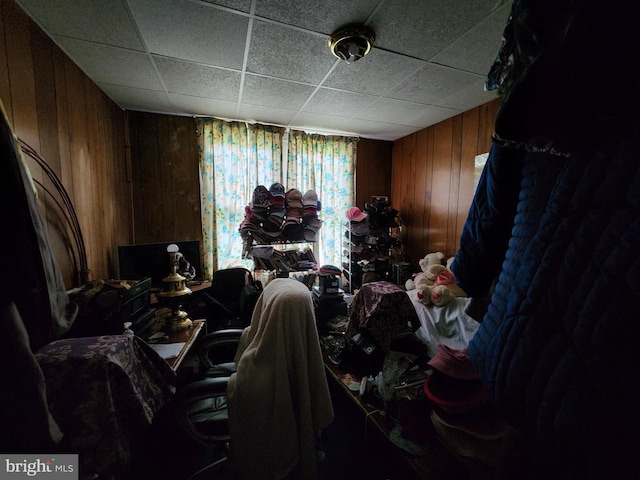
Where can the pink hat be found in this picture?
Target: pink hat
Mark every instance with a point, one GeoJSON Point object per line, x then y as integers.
{"type": "Point", "coordinates": [354, 214]}
{"type": "Point", "coordinates": [455, 363]}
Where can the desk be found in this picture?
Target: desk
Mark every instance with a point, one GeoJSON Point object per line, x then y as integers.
{"type": "Point", "coordinates": [194, 289]}
{"type": "Point", "coordinates": [187, 336]}
{"type": "Point", "coordinates": [436, 464]}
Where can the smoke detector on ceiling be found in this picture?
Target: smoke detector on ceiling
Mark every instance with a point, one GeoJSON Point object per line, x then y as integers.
{"type": "Point", "coordinates": [352, 42]}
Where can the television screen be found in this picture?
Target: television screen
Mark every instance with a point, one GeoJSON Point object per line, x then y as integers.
{"type": "Point", "coordinates": [152, 260]}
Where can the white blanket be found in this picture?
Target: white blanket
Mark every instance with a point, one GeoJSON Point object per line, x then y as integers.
{"type": "Point", "coordinates": [279, 398]}
{"type": "Point", "coordinates": [448, 325]}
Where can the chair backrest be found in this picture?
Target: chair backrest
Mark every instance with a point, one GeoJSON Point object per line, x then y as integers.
{"type": "Point", "coordinates": [236, 293]}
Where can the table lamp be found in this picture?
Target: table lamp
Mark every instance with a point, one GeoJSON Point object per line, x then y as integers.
{"type": "Point", "coordinates": [173, 294]}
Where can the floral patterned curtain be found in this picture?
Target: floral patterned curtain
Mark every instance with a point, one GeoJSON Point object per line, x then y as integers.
{"type": "Point", "coordinates": [235, 157]}
{"type": "Point", "coordinates": [325, 164]}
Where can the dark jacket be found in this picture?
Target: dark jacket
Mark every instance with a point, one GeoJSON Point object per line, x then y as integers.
{"type": "Point", "coordinates": [556, 221]}
{"type": "Point", "coordinates": [559, 347]}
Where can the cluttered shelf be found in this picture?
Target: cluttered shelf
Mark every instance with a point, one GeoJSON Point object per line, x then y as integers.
{"type": "Point", "coordinates": [372, 247]}
{"type": "Point", "coordinates": [432, 462]}
{"type": "Point", "coordinates": [412, 383]}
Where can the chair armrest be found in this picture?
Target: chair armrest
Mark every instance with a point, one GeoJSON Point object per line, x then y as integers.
{"type": "Point", "coordinates": [218, 347]}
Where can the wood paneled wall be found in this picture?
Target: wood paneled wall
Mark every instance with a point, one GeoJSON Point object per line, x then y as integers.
{"type": "Point", "coordinates": [373, 170]}
{"type": "Point", "coordinates": [164, 166]}
{"type": "Point", "coordinates": [60, 113]}
{"type": "Point", "coordinates": [432, 180]}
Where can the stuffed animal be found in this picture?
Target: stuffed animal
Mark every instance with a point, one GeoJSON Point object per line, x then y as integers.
{"type": "Point", "coordinates": [441, 295]}
{"type": "Point", "coordinates": [435, 258]}
{"type": "Point", "coordinates": [444, 276]}
{"type": "Point", "coordinates": [437, 295]}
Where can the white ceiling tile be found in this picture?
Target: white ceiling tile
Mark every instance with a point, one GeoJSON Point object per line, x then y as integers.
{"type": "Point", "coordinates": [240, 5]}
{"type": "Point", "coordinates": [405, 113]}
{"type": "Point", "coordinates": [431, 84]}
{"type": "Point", "coordinates": [476, 50]}
{"type": "Point", "coordinates": [273, 92]}
{"type": "Point", "coordinates": [324, 17]}
{"type": "Point", "coordinates": [199, 80]}
{"type": "Point", "coordinates": [187, 105]}
{"type": "Point", "coordinates": [192, 31]}
{"type": "Point", "coordinates": [309, 120]}
{"type": "Point", "coordinates": [381, 130]}
{"type": "Point", "coordinates": [112, 65]}
{"type": "Point", "coordinates": [424, 28]}
{"type": "Point", "coordinates": [108, 23]}
{"type": "Point", "coordinates": [374, 74]}
{"type": "Point", "coordinates": [338, 102]}
{"type": "Point", "coordinates": [137, 98]}
{"type": "Point", "coordinates": [468, 97]}
{"type": "Point", "coordinates": [287, 53]}
{"type": "Point", "coordinates": [202, 57]}
{"type": "Point", "coordinates": [269, 115]}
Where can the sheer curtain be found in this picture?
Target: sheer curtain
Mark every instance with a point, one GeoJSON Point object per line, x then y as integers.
{"type": "Point", "coordinates": [235, 157]}
{"type": "Point", "coordinates": [325, 164]}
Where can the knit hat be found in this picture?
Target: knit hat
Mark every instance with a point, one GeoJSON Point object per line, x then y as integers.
{"type": "Point", "coordinates": [277, 190]}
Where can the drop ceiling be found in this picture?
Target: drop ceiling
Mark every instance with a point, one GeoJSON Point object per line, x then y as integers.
{"type": "Point", "coordinates": [268, 61]}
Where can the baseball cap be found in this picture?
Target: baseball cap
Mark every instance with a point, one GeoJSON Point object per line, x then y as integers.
{"type": "Point", "coordinates": [354, 214]}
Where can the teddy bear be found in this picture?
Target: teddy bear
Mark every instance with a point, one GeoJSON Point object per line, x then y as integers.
{"type": "Point", "coordinates": [434, 258]}
{"type": "Point", "coordinates": [437, 295]}
{"type": "Point", "coordinates": [444, 276]}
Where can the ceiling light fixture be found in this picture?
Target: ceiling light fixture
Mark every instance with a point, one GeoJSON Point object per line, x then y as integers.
{"type": "Point", "coordinates": [352, 42]}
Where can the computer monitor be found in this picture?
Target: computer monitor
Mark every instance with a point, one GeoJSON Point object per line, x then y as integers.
{"type": "Point", "coordinates": [152, 260]}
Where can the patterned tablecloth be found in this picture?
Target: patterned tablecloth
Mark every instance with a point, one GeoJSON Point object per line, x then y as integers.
{"type": "Point", "coordinates": [103, 392]}
{"type": "Point", "coordinates": [383, 310]}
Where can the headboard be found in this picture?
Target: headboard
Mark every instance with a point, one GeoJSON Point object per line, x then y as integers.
{"type": "Point", "coordinates": [71, 234]}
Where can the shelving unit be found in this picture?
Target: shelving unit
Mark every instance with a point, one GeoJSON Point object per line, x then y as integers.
{"type": "Point", "coordinates": [282, 257]}
{"type": "Point", "coordinates": [278, 228]}
{"type": "Point", "coordinates": [374, 252]}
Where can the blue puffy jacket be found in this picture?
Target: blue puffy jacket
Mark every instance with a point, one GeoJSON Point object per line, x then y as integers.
{"type": "Point", "coordinates": [559, 346]}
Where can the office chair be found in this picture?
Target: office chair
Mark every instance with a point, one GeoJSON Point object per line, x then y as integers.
{"type": "Point", "coordinates": [217, 351]}
{"type": "Point", "coordinates": [230, 300]}
{"type": "Point", "coordinates": [192, 431]}
{"type": "Point", "coordinates": [271, 411]}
